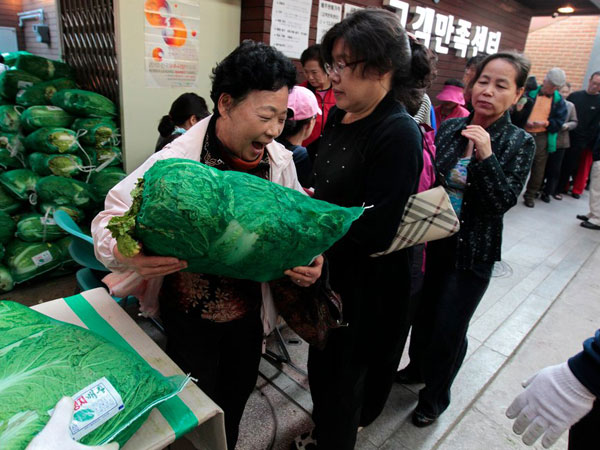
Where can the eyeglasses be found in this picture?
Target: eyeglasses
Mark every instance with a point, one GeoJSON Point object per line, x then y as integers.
{"type": "Point", "coordinates": [337, 67]}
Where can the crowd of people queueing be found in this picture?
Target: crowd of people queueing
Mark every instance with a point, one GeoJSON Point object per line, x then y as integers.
{"type": "Point", "coordinates": [353, 135]}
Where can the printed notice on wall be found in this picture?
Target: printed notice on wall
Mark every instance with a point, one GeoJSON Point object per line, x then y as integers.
{"type": "Point", "coordinates": [329, 14]}
{"type": "Point", "coordinates": [290, 23]}
{"type": "Point", "coordinates": [172, 43]}
{"type": "Point", "coordinates": [349, 9]}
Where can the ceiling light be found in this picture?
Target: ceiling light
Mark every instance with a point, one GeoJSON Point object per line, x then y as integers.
{"type": "Point", "coordinates": [566, 10]}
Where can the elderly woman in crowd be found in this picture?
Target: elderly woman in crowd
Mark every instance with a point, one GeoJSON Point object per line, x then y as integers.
{"type": "Point", "coordinates": [213, 323]}
{"type": "Point", "coordinates": [483, 160]}
{"type": "Point", "coordinates": [370, 154]}
{"type": "Point", "coordinates": [318, 82]}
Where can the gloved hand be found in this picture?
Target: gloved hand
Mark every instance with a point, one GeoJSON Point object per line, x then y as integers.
{"type": "Point", "coordinates": [553, 401]}
{"type": "Point", "coordinates": [56, 435]}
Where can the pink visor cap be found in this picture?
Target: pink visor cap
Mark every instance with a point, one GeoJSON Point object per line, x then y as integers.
{"type": "Point", "coordinates": [303, 103]}
{"type": "Point", "coordinates": [452, 94]}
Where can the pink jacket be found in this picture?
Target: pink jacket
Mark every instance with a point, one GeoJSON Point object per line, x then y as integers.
{"type": "Point", "coordinates": [124, 282]}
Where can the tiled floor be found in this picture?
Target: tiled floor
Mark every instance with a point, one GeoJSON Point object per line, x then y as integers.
{"type": "Point", "coordinates": [518, 328]}
{"type": "Point", "coordinates": [544, 248]}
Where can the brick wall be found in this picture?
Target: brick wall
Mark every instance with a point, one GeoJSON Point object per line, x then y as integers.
{"type": "Point", "coordinates": [51, 50]}
{"type": "Point", "coordinates": [565, 43]}
{"type": "Point", "coordinates": [8, 17]}
{"type": "Point", "coordinates": [507, 16]}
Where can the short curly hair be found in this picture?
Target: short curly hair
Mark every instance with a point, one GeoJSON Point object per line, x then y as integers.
{"type": "Point", "coordinates": [253, 66]}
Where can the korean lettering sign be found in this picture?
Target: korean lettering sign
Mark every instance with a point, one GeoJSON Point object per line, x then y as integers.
{"type": "Point", "coordinates": [442, 32]}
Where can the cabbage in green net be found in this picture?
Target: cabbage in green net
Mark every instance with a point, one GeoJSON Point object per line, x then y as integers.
{"type": "Point", "coordinates": [84, 103]}
{"type": "Point", "coordinates": [6, 280]}
{"type": "Point", "coordinates": [44, 68]}
{"type": "Point", "coordinates": [12, 81]}
{"type": "Point", "coordinates": [36, 117]}
{"type": "Point", "coordinates": [52, 140]}
{"type": "Point", "coordinates": [19, 183]}
{"type": "Point", "coordinates": [60, 165]}
{"type": "Point", "coordinates": [65, 191]}
{"type": "Point", "coordinates": [41, 93]}
{"type": "Point", "coordinates": [7, 227]}
{"type": "Point", "coordinates": [10, 118]}
{"type": "Point", "coordinates": [227, 223]}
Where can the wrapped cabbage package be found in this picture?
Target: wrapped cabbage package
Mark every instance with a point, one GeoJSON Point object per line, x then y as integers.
{"type": "Point", "coordinates": [12, 81]}
{"type": "Point", "coordinates": [41, 93]}
{"type": "Point", "coordinates": [27, 260]}
{"type": "Point", "coordinates": [10, 118]}
{"type": "Point", "coordinates": [20, 183]}
{"type": "Point", "coordinates": [84, 103]}
{"type": "Point", "coordinates": [42, 360]}
{"type": "Point", "coordinates": [34, 227]}
{"type": "Point", "coordinates": [65, 191]}
{"type": "Point", "coordinates": [60, 165]}
{"type": "Point", "coordinates": [52, 140]}
{"type": "Point", "coordinates": [44, 68]}
{"type": "Point", "coordinates": [227, 223]}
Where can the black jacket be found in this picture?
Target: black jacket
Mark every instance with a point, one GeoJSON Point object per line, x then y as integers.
{"type": "Point", "coordinates": [493, 185]}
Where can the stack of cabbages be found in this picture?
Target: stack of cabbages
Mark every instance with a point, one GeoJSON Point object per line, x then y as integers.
{"type": "Point", "coordinates": [58, 150]}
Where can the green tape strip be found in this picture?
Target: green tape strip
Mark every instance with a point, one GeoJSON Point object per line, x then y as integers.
{"type": "Point", "coordinates": [177, 414]}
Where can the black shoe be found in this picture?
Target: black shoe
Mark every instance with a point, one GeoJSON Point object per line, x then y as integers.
{"type": "Point", "coordinates": [575, 195]}
{"type": "Point", "coordinates": [529, 203]}
{"type": "Point", "coordinates": [589, 226]}
{"type": "Point", "coordinates": [582, 217]}
{"type": "Point", "coordinates": [407, 376]}
{"type": "Point", "coordinates": [545, 197]}
{"type": "Point", "coordinates": [421, 420]}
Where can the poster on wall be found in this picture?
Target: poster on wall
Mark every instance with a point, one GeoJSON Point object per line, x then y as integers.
{"type": "Point", "coordinates": [329, 14]}
{"type": "Point", "coordinates": [290, 24]}
{"type": "Point", "coordinates": [171, 43]}
{"type": "Point", "coordinates": [349, 9]}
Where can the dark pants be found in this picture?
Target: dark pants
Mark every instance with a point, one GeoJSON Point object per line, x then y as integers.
{"type": "Point", "coordinates": [538, 167]}
{"type": "Point", "coordinates": [351, 378]}
{"type": "Point", "coordinates": [569, 167]}
{"type": "Point", "coordinates": [224, 357]}
{"type": "Point", "coordinates": [439, 335]}
{"type": "Point", "coordinates": [553, 166]}
{"type": "Point", "coordinates": [584, 434]}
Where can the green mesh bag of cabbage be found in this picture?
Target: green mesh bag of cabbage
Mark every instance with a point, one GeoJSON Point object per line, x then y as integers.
{"type": "Point", "coordinates": [227, 223]}
{"type": "Point", "coordinates": [42, 360]}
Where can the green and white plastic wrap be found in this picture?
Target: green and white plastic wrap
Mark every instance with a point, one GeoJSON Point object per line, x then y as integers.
{"type": "Point", "coordinates": [42, 360]}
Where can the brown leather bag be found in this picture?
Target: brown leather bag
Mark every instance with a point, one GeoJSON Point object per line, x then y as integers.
{"type": "Point", "coordinates": [310, 311]}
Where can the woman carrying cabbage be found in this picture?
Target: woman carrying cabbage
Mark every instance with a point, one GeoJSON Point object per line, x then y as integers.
{"type": "Point", "coordinates": [214, 323]}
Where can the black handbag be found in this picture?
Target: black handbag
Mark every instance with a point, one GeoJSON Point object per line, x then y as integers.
{"type": "Point", "coordinates": [310, 311]}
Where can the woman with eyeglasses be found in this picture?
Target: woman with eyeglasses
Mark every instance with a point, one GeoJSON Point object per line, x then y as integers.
{"type": "Point", "coordinates": [370, 154]}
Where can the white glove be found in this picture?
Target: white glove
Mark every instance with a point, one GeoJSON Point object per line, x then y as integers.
{"type": "Point", "coordinates": [56, 435]}
{"type": "Point", "coordinates": [553, 401]}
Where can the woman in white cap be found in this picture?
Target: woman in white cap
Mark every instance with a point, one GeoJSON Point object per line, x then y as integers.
{"type": "Point", "coordinates": [303, 111]}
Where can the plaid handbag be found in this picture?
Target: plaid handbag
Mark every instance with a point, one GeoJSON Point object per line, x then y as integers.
{"type": "Point", "coordinates": [428, 216]}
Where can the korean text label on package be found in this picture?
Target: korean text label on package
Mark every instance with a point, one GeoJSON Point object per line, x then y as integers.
{"type": "Point", "coordinates": [94, 405]}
